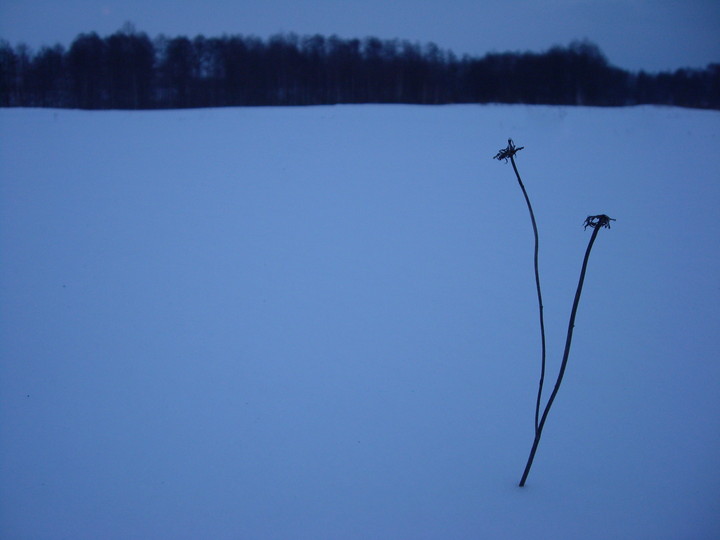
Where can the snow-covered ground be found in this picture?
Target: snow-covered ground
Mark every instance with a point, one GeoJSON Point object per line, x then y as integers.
{"type": "Point", "coordinates": [320, 323]}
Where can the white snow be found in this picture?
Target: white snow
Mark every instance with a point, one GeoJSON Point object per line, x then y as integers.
{"type": "Point", "coordinates": [320, 323]}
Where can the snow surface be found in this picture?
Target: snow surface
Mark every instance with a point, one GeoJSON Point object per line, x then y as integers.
{"type": "Point", "coordinates": [320, 323]}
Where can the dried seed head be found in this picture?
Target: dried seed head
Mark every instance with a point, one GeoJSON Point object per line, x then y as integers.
{"type": "Point", "coordinates": [600, 220]}
{"type": "Point", "coordinates": [507, 152]}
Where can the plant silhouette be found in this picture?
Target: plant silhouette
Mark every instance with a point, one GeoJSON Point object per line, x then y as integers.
{"type": "Point", "coordinates": [505, 154]}
{"type": "Point", "coordinates": [596, 223]}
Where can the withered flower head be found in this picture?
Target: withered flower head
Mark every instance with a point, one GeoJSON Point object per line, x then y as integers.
{"type": "Point", "coordinates": [600, 220]}
{"type": "Point", "coordinates": [508, 152]}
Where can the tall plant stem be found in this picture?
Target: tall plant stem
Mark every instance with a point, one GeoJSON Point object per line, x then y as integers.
{"type": "Point", "coordinates": [596, 222]}
{"type": "Point", "coordinates": [539, 292]}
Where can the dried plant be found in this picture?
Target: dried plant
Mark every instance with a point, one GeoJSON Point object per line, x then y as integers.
{"type": "Point", "coordinates": [505, 154]}
{"type": "Point", "coordinates": [596, 223]}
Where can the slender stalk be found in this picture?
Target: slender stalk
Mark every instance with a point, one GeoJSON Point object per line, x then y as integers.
{"type": "Point", "coordinates": [539, 292]}
{"type": "Point", "coordinates": [509, 153]}
{"type": "Point", "coordinates": [596, 222]}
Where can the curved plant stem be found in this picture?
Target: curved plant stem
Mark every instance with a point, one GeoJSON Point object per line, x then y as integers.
{"type": "Point", "coordinates": [539, 292]}
{"type": "Point", "coordinates": [596, 222]}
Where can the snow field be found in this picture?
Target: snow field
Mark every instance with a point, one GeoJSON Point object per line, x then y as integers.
{"type": "Point", "coordinates": [320, 323]}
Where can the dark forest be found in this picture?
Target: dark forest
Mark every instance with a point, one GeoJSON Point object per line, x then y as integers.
{"type": "Point", "coordinates": [128, 70]}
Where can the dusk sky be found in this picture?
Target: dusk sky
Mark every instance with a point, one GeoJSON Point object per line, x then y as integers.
{"type": "Point", "coordinates": [654, 35]}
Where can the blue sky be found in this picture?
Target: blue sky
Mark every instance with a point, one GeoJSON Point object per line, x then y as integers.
{"type": "Point", "coordinates": [635, 34]}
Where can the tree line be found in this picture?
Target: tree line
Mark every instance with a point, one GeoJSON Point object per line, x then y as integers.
{"type": "Point", "coordinates": [128, 70]}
